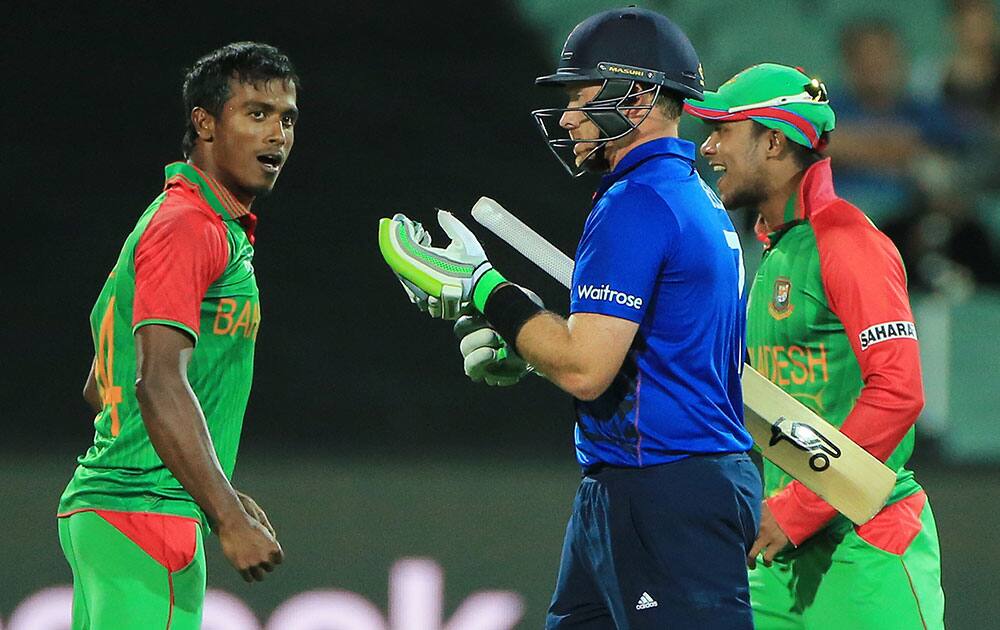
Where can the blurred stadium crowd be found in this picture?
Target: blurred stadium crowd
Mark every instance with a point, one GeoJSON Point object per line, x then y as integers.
{"type": "Point", "coordinates": [917, 144]}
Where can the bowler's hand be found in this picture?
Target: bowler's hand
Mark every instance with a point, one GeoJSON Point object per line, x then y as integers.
{"type": "Point", "coordinates": [770, 539]}
{"type": "Point", "coordinates": [255, 511]}
{"type": "Point", "coordinates": [249, 546]}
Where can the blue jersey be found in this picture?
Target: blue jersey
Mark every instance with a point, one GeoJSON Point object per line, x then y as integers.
{"type": "Point", "coordinates": [659, 249]}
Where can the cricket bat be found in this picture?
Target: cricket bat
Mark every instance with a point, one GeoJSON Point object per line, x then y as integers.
{"type": "Point", "coordinates": [787, 432]}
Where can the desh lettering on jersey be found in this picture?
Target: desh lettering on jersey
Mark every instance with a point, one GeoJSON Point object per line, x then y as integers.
{"type": "Point", "coordinates": [607, 294]}
{"type": "Point", "coordinates": [886, 331]}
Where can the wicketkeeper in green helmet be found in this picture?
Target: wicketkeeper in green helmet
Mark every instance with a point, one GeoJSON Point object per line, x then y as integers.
{"type": "Point", "coordinates": [828, 321]}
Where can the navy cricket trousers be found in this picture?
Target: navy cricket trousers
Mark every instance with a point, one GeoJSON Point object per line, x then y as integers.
{"type": "Point", "coordinates": [660, 547]}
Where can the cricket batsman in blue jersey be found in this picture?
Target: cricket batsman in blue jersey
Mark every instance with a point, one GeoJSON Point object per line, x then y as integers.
{"type": "Point", "coordinates": [668, 506]}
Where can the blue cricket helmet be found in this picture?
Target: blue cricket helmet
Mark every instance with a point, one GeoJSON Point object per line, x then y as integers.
{"type": "Point", "coordinates": [619, 49]}
{"type": "Point", "coordinates": [630, 44]}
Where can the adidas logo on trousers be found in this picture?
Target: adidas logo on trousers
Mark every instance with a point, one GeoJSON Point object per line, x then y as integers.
{"type": "Point", "coordinates": [646, 601]}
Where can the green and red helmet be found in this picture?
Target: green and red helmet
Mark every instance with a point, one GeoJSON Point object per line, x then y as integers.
{"type": "Point", "coordinates": [776, 96]}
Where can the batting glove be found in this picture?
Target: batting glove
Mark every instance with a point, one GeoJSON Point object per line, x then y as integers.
{"type": "Point", "coordinates": [487, 357]}
{"type": "Point", "coordinates": [458, 277]}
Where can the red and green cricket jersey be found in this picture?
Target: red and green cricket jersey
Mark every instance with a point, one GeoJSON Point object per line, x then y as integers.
{"type": "Point", "coordinates": [187, 264]}
{"type": "Point", "coordinates": [829, 322]}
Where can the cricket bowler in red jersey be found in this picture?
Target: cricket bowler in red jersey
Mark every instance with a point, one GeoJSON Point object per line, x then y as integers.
{"type": "Point", "coordinates": [174, 330]}
{"type": "Point", "coordinates": [829, 322]}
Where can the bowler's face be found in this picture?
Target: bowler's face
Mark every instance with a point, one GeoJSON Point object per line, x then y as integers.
{"type": "Point", "coordinates": [578, 124]}
{"type": "Point", "coordinates": [254, 135]}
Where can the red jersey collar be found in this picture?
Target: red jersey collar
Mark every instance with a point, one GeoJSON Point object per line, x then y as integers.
{"type": "Point", "coordinates": [815, 193]}
{"type": "Point", "coordinates": [215, 194]}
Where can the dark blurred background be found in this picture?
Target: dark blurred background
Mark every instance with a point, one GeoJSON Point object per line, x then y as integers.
{"type": "Point", "coordinates": [363, 436]}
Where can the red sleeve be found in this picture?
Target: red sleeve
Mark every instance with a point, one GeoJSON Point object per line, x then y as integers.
{"type": "Point", "coordinates": [866, 288]}
{"type": "Point", "coordinates": [181, 252]}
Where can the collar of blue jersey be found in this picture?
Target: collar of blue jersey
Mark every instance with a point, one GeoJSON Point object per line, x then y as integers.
{"type": "Point", "coordinates": [815, 193]}
{"type": "Point", "coordinates": [215, 194]}
{"type": "Point", "coordinates": [660, 147]}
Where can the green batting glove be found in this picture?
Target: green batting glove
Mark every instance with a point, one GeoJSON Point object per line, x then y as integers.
{"type": "Point", "coordinates": [458, 277]}
{"type": "Point", "coordinates": [423, 301]}
{"type": "Point", "coordinates": [487, 357]}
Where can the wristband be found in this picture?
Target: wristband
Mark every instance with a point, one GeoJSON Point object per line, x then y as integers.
{"type": "Point", "coordinates": [507, 308]}
{"type": "Point", "coordinates": [485, 284]}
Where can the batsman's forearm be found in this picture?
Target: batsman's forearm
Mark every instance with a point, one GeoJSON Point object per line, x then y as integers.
{"type": "Point", "coordinates": [180, 436]}
{"type": "Point", "coordinates": [546, 342]}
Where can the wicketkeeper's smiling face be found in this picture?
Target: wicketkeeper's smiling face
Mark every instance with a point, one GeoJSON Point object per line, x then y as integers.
{"type": "Point", "coordinates": [734, 150]}
{"type": "Point", "coordinates": [253, 136]}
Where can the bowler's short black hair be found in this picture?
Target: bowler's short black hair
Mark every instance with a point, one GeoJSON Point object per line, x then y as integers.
{"type": "Point", "coordinates": [206, 83]}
